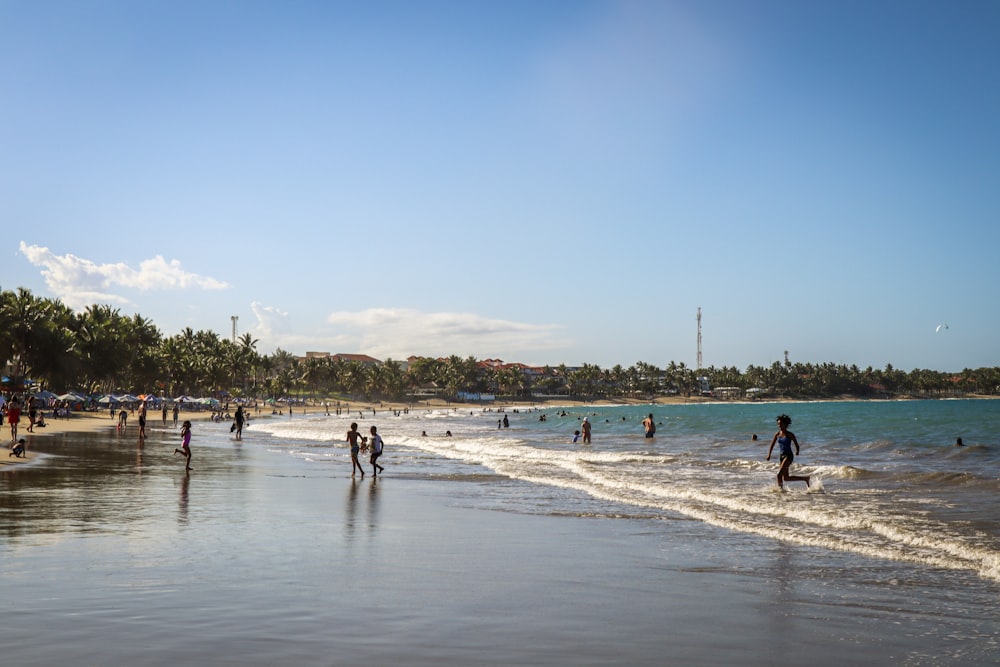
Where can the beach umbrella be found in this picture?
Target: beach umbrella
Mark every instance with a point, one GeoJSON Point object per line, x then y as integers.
{"type": "Point", "coordinates": [45, 395]}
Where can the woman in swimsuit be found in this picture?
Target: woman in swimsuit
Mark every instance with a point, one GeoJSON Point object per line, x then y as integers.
{"type": "Point", "coordinates": [785, 440]}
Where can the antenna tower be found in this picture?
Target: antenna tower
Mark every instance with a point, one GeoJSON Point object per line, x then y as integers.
{"type": "Point", "coordinates": [234, 318]}
{"type": "Point", "coordinates": [699, 338]}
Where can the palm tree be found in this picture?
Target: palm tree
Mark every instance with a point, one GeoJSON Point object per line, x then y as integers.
{"type": "Point", "coordinates": [53, 360]}
{"type": "Point", "coordinates": [24, 317]}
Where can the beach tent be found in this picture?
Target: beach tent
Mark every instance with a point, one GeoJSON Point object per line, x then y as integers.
{"type": "Point", "coordinates": [45, 395]}
{"type": "Point", "coordinates": [75, 401]}
{"type": "Point", "coordinates": [16, 384]}
{"type": "Point", "coordinates": [151, 399]}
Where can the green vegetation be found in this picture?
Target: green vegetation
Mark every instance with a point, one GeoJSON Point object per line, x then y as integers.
{"type": "Point", "coordinates": [102, 351]}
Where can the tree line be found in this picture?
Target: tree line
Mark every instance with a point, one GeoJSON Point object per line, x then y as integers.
{"type": "Point", "coordinates": [100, 350]}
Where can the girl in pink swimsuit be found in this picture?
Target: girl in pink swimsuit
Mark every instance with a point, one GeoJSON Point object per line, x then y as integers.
{"type": "Point", "coordinates": [185, 443]}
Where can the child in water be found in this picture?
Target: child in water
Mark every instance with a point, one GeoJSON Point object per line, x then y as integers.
{"type": "Point", "coordinates": [785, 440]}
{"type": "Point", "coordinates": [185, 444]}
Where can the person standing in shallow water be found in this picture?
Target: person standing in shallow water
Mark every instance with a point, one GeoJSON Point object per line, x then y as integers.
{"type": "Point", "coordinates": [649, 425]}
{"type": "Point", "coordinates": [239, 422]}
{"type": "Point", "coordinates": [355, 439]}
{"type": "Point", "coordinates": [376, 450]}
{"type": "Point", "coordinates": [785, 440]}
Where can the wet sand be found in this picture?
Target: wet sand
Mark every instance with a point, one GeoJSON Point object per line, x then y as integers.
{"type": "Point", "coordinates": [111, 554]}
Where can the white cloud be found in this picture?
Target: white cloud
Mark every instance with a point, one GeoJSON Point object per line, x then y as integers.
{"type": "Point", "coordinates": [397, 333]}
{"type": "Point", "coordinates": [80, 282]}
{"type": "Point", "coordinates": [274, 329]}
{"type": "Point", "coordinates": [400, 332]}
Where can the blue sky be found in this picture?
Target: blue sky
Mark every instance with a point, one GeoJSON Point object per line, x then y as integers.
{"type": "Point", "coordinates": [545, 182]}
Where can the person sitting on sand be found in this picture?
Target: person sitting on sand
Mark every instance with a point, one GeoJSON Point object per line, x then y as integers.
{"type": "Point", "coordinates": [785, 440]}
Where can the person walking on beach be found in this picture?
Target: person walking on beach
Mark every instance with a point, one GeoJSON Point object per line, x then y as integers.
{"type": "Point", "coordinates": [122, 419]}
{"type": "Point", "coordinates": [142, 420]}
{"type": "Point", "coordinates": [14, 418]}
{"type": "Point", "coordinates": [239, 422]}
{"type": "Point", "coordinates": [355, 439]}
{"type": "Point", "coordinates": [785, 440]}
{"type": "Point", "coordinates": [376, 450]}
{"type": "Point", "coordinates": [185, 444]}
{"type": "Point", "coordinates": [586, 431]}
{"type": "Point", "coordinates": [164, 411]}
{"type": "Point", "coordinates": [32, 414]}
{"type": "Point", "coordinates": [649, 425]}
{"type": "Point", "coordinates": [177, 410]}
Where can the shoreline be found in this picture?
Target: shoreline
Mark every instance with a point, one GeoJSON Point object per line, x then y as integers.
{"type": "Point", "coordinates": [90, 422]}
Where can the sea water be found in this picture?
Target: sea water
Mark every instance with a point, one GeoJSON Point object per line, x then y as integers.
{"type": "Point", "coordinates": [513, 545]}
{"type": "Point", "coordinates": [887, 479]}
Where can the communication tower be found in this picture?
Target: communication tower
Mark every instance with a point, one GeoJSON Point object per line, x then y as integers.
{"type": "Point", "coordinates": [699, 337]}
{"type": "Point", "coordinates": [234, 318]}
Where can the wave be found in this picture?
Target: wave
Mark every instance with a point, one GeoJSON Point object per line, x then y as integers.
{"type": "Point", "coordinates": [879, 501]}
{"type": "Point", "coordinates": [864, 522]}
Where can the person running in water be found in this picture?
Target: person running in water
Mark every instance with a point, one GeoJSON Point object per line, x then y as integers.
{"type": "Point", "coordinates": [185, 444]}
{"type": "Point", "coordinates": [785, 440]}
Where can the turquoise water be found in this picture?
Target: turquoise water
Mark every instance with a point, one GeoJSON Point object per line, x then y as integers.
{"type": "Point", "coordinates": [888, 481]}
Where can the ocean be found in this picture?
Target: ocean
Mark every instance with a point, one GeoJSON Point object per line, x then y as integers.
{"type": "Point", "coordinates": [515, 545]}
{"type": "Point", "coordinates": [888, 482]}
